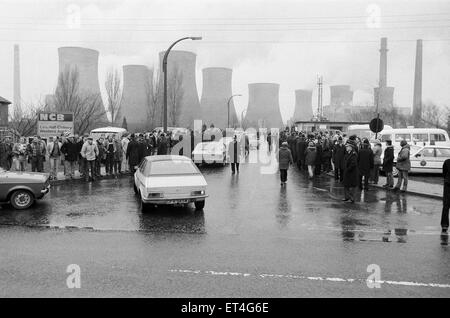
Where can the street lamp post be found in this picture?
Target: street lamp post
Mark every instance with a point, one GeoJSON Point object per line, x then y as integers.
{"type": "Point", "coordinates": [164, 66]}
{"type": "Point", "coordinates": [228, 103]}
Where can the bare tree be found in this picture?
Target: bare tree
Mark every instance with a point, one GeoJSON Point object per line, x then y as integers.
{"type": "Point", "coordinates": [154, 100]}
{"type": "Point", "coordinates": [114, 94]}
{"type": "Point", "coordinates": [23, 121]}
{"type": "Point", "coordinates": [87, 108]}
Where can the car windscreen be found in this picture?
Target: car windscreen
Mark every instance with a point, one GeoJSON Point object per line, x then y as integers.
{"type": "Point", "coordinates": [170, 167]}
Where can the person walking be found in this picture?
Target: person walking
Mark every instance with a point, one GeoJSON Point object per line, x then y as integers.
{"type": "Point", "coordinates": [388, 164]}
{"type": "Point", "coordinates": [54, 156]}
{"type": "Point", "coordinates": [310, 158]}
{"type": "Point", "coordinates": [284, 161]}
{"type": "Point", "coordinates": [446, 197]}
{"type": "Point", "coordinates": [365, 164]}
{"type": "Point", "coordinates": [338, 160]}
{"type": "Point", "coordinates": [377, 151]}
{"type": "Point", "coordinates": [403, 166]}
{"type": "Point", "coordinates": [70, 151]}
{"type": "Point", "coordinates": [36, 153]}
{"type": "Point", "coordinates": [351, 179]}
{"type": "Point", "coordinates": [234, 155]}
{"type": "Point", "coordinates": [89, 152]}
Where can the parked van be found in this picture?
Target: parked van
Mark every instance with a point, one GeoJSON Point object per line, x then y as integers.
{"type": "Point", "coordinates": [107, 131]}
{"type": "Point", "coordinates": [417, 136]}
{"type": "Point", "coordinates": [363, 131]}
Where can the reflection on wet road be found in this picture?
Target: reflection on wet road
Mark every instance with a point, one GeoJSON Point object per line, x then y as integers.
{"type": "Point", "coordinates": [247, 203]}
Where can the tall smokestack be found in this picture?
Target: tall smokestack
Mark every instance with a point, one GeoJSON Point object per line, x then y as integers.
{"type": "Point", "coordinates": [215, 95]}
{"type": "Point", "coordinates": [417, 100]}
{"type": "Point", "coordinates": [17, 96]}
{"type": "Point", "coordinates": [263, 106]}
{"type": "Point", "coordinates": [303, 105]}
{"type": "Point", "coordinates": [383, 63]}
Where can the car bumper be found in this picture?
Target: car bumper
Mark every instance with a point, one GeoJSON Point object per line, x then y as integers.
{"type": "Point", "coordinates": [169, 201]}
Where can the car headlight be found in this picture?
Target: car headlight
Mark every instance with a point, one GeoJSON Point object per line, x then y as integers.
{"type": "Point", "coordinates": [201, 192]}
{"type": "Point", "coordinates": [156, 195]}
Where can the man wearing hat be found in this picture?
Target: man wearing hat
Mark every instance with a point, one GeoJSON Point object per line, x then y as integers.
{"type": "Point", "coordinates": [70, 151]}
{"type": "Point", "coordinates": [365, 164]}
{"type": "Point", "coordinates": [351, 178]}
{"type": "Point", "coordinates": [284, 160]}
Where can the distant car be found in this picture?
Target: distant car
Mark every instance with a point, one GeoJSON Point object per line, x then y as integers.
{"type": "Point", "coordinates": [170, 180]}
{"type": "Point", "coordinates": [211, 152]}
{"type": "Point", "coordinates": [22, 189]}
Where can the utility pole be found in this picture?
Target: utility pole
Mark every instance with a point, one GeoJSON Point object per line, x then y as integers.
{"type": "Point", "coordinates": [319, 98]}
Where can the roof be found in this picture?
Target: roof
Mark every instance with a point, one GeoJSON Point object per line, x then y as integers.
{"type": "Point", "coordinates": [4, 101]}
{"type": "Point", "coordinates": [166, 158]}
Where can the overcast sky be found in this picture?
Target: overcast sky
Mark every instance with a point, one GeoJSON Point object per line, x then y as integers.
{"type": "Point", "coordinates": [285, 42]}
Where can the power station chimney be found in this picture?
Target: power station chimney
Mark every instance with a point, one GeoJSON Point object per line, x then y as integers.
{"type": "Point", "coordinates": [417, 100]}
{"type": "Point", "coordinates": [263, 106]}
{"type": "Point", "coordinates": [383, 63]}
{"type": "Point", "coordinates": [17, 97]}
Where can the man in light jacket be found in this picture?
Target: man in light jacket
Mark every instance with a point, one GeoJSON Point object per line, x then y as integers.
{"type": "Point", "coordinates": [403, 166]}
{"type": "Point", "coordinates": [54, 155]}
{"type": "Point", "coordinates": [89, 151]}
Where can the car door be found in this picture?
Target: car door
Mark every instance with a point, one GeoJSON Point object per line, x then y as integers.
{"type": "Point", "coordinates": [140, 178]}
{"type": "Point", "coordinates": [442, 154]}
{"type": "Point", "coordinates": [4, 186]}
{"type": "Point", "coordinates": [424, 161]}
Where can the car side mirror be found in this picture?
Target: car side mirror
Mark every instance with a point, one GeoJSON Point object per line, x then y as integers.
{"type": "Point", "coordinates": [418, 155]}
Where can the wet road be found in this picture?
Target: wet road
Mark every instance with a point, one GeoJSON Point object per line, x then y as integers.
{"type": "Point", "coordinates": [254, 238]}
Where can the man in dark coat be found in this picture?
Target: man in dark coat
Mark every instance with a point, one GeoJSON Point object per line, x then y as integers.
{"type": "Point", "coordinates": [163, 145]}
{"type": "Point", "coordinates": [284, 160]}
{"type": "Point", "coordinates": [351, 178]}
{"type": "Point", "coordinates": [365, 164]}
{"type": "Point", "coordinates": [318, 166]}
{"type": "Point", "coordinates": [4, 155]}
{"type": "Point", "coordinates": [70, 151]}
{"type": "Point", "coordinates": [446, 198]}
{"type": "Point", "coordinates": [338, 160]}
{"type": "Point", "coordinates": [234, 155]}
{"type": "Point", "coordinates": [302, 144]}
{"type": "Point", "coordinates": [132, 154]}
{"type": "Point", "coordinates": [388, 164]}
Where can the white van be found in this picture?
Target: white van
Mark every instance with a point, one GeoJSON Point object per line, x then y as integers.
{"type": "Point", "coordinates": [107, 131]}
{"type": "Point", "coordinates": [417, 136]}
{"type": "Point", "coordinates": [363, 131]}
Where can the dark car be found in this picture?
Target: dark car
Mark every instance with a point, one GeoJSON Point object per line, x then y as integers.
{"type": "Point", "coordinates": [22, 189]}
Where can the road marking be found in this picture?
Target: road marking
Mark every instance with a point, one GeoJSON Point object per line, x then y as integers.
{"type": "Point", "coordinates": [312, 278]}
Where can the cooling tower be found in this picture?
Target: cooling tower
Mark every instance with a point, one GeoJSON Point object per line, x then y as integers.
{"type": "Point", "coordinates": [417, 99]}
{"type": "Point", "coordinates": [215, 95]}
{"type": "Point", "coordinates": [263, 106]}
{"type": "Point", "coordinates": [85, 62]}
{"type": "Point", "coordinates": [303, 105]}
{"type": "Point", "coordinates": [340, 95]}
{"type": "Point", "coordinates": [135, 104]}
{"type": "Point", "coordinates": [181, 77]}
{"type": "Point", "coordinates": [383, 97]}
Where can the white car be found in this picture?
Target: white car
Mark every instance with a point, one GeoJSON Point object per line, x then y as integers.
{"type": "Point", "coordinates": [170, 180]}
{"type": "Point", "coordinates": [210, 152]}
{"type": "Point", "coordinates": [429, 159]}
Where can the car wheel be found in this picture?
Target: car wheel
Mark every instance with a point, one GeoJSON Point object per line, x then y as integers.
{"type": "Point", "coordinates": [22, 199]}
{"type": "Point", "coordinates": [199, 205]}
{"type": "Point", "coordinates": [394, 172]}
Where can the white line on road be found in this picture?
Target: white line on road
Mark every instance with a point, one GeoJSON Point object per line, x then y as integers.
{"type": "Point", "coordinates": [314, 278]}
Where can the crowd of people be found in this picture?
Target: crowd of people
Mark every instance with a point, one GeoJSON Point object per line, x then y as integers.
{"type": "Point", "coordinates": [354, 161]}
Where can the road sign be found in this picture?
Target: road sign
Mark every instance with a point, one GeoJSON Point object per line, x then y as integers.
{"type": "Point", "coordinates": [376, 125]}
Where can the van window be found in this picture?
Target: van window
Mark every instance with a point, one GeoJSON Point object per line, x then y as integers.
{"type": "Point", "coordinates": [428, 152]}
{"type": "Point", "coordinates": [443, 152]}
{"type": "Point", "coordinates": [420, 137]}
{"type": "Point", "coordinates": [437, 137]}
{"type": "Point", "coordinates": [400, 137]}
